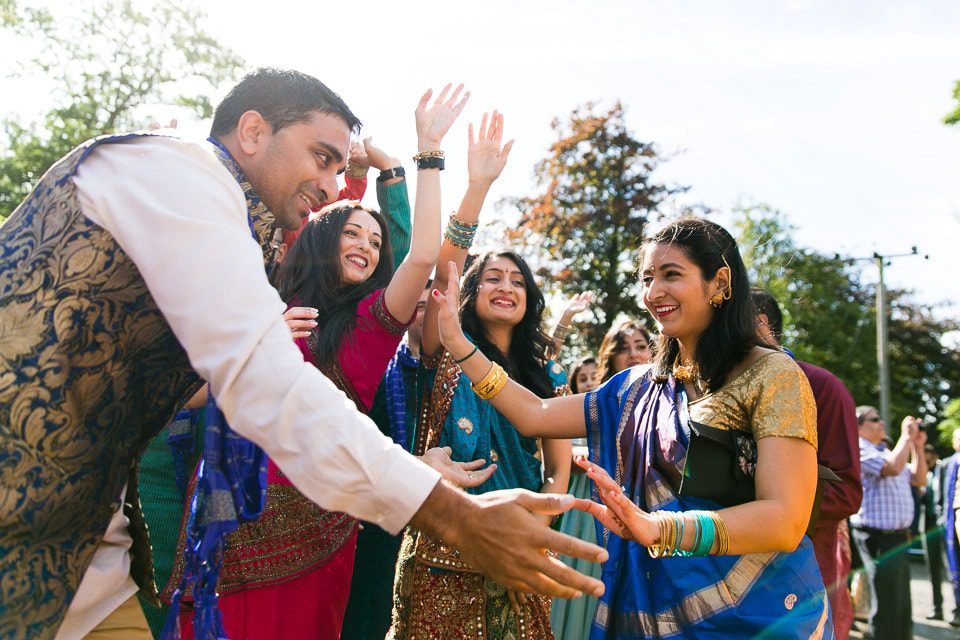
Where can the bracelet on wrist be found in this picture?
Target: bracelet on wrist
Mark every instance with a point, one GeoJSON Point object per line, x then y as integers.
{"type": "Point", "coordinates": [492, 383]}
{"type": "Point", "coordinates": [429, 153]}
{"type": "Point", "coordinates": [357, 170]}
{"type": "Point", "coordinates": [389, 174]}
{"type": "Point", "coordinates": [459, 233]}
{"type": "Point", "coordinates": [468, 356]}
{"type": "Point", "coordinates": [429, 159]}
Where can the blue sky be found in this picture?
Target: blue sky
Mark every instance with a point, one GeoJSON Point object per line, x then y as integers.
{"type": "Point", "coordinates": [828, 111]}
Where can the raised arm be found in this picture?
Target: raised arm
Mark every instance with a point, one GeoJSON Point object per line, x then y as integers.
{"type": "Point", "coordinates": [530, 415]}
{"type": "Point", "coordinates": [392, 198]}
{"type": "Point", "coordinates": [577, 304]}
{"type": "Point", "coordinates": [407, 283]}
{"type": "Point", "coordinates": [485, 161]}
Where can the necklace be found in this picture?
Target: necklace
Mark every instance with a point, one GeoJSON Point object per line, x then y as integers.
{"type": "Point", "coordinates": [688, 373]}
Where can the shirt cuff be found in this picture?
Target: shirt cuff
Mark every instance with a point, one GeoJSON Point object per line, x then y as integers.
{"type": "Point", "coordinates": [400, 491]}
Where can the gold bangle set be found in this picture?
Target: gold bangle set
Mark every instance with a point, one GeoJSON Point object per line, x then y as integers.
{"type": "Point", "coordinates": [429, 153]}
{"type": "Point", "coordinates": [492, 383]}
{"type": "Point", "coordinates": [671, 525]}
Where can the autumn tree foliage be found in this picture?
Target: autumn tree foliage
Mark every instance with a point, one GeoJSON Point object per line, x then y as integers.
{"type": "Point", "coordinates": [595, 194]}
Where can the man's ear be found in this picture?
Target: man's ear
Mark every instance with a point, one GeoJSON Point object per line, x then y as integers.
{"type": "Point", "coordinates": [253, 132]}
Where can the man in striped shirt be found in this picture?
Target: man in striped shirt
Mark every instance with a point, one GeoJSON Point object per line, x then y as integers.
{"type": "Point", "coordinates": [881, 529]}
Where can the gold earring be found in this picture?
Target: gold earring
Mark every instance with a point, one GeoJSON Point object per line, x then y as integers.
{"type": "Point", "coordinates": [717, 300]}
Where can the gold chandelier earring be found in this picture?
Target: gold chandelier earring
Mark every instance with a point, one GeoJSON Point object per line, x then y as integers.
{"type": "Point", "coordinates": [717, 300]}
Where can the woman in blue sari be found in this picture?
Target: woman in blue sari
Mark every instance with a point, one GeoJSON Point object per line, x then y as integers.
{"type": "Point", "coordinates": [690, 556]}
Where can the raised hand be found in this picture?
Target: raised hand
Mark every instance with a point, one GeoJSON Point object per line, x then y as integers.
{"type": "Point", "coordinates": [618, 512]}
{"type": "Point", "coordinates": [377, 157]}
{"type": "Point", "coordinates": [463, 474]}
{"type": "Point", "coordinates": [434, 121]}
{"type": "Point", "coordinates": [448, 316]}
{"type": "Point", "coordinates": [485, 155]}
{"type": "Point", "coordinates": [578, 304]}
{"type": "Point", "coordinates": [300, 320]}
{"type": "Point", "coordinates": [358, 153]}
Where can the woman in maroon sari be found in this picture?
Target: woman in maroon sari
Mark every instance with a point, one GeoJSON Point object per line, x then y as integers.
{"type": "Point", "coordinates": [287, 574]}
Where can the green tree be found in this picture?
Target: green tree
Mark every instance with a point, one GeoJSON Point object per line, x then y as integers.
{"type": "Point", "coordinates": [595, 194]}
{"type": "Point", "coordinates": [954, 116]}
{"type": "Point", "coordinates": [830, 320]}
{"type": "Point", "coordinates": [105, 66]}
{"type": "Point", "coordinates": [950, 423]}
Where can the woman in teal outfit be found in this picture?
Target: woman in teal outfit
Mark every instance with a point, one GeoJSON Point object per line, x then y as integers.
{"type": "Point", "coordinates": [436, 595]}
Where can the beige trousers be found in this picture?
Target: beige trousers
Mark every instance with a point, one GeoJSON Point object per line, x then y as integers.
{"type": "Point", "coordinates": [127, 622]}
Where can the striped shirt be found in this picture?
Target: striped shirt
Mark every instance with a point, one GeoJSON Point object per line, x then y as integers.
{"type": "Point", "coordinates": [887, 500]}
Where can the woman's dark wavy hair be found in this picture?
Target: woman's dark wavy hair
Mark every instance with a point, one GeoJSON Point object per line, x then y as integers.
{"type": "Point", "coordinates": [613, 342]}
{"type": "Point", "coordinates": [576, 371]}
{"type": "Point", "coordinates": [528, 344]}
{"type": "Point", "coordinates": [311, 273]}
{"type": "Point", "coordinates": [732, 331]}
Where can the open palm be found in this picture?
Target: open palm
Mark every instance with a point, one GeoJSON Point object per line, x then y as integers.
{"type": "Point", "coordinates": [485, 155]}
{"type": "Point", "coordinates": [433, 121]}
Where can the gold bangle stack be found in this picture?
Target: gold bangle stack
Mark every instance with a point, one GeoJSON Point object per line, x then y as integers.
{"type": "Point", "coordinates": [561, 332]}
{"type": "Point", "coordinates": [357, 170]}
{"type": "Point", "coordinates": [669, 532]}
{"type": "Point", "coordinates": [723, 536]}
{"type": "Point", "coordinates": [429, 153]}
{"type": "Point", "coordinates": [492, 383]}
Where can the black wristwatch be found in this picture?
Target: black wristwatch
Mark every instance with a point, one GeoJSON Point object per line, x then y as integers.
{"type": "Point", "coordinates": [430, 163]}
{"type": "Point", "coordinates": [389, 174]}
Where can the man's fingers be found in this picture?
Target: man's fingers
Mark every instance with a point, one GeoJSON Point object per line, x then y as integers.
{"type": "Point", "coordinates": [570, 546]}
{"type": "Point", "coordinates": [545, 503]}
{"type": "Point", "coordinates": [565, 577]}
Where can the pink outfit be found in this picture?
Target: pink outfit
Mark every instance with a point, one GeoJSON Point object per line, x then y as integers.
{"type": "Point", "coordinates": [287, 574]}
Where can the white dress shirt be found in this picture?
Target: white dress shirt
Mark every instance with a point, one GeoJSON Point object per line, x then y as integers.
{"type": "Point", "coordinates": [182, 218]}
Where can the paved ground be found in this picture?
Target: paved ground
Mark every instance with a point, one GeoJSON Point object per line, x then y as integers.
{"type": "Point", "coordinates": [921, 592]}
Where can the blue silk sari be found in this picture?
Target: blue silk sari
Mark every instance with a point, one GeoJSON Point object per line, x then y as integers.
{"type": "Point", "coordinates": [638, 432]}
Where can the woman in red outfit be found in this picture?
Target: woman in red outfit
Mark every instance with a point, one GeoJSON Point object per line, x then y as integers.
{"type": "Point", "coordinates": [287, 574]}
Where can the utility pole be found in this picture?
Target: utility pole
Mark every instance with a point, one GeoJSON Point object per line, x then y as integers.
{"type": "Point", "coordinates": [883, 338]}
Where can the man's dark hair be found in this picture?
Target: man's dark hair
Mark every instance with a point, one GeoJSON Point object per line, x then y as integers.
{"type": "Point", "coordinates": [282, 97]}
{"type": "Point", "coordinates": [768, 306]}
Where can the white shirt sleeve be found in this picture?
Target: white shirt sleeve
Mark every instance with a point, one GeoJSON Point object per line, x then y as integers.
{"type": "Point", "coordinates": [182, 218]}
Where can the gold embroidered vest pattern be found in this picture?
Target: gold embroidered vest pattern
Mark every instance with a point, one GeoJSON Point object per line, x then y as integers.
{"type": "Point", "coordinates": [89, 372]}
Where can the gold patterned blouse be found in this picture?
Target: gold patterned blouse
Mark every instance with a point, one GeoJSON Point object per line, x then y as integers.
{"type": "Point", "coordinates": [771, 397]}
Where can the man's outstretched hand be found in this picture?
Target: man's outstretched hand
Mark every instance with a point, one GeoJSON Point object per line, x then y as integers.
{"type": "Point", "coordinates": [499, 534]}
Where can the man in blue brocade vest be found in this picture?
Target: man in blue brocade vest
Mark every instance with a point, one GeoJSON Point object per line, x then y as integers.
{"type": "Point", "coordinates": [128, 276]}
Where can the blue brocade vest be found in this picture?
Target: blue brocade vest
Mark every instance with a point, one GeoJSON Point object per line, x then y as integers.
{"type": "Point", "coordinates": [89, 372]}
